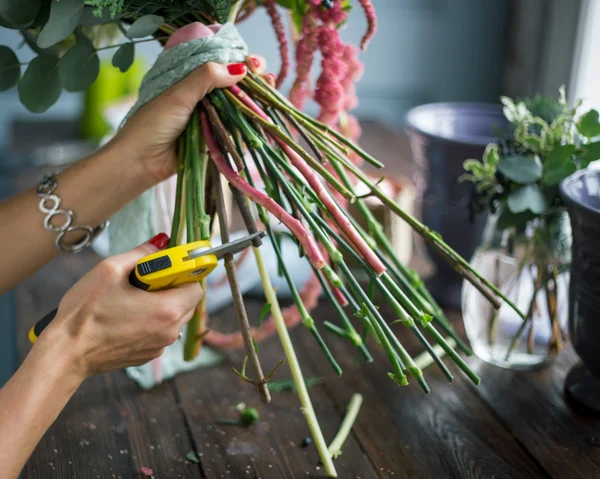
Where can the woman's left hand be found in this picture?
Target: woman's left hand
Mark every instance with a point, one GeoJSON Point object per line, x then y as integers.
{"type": "Point", "coordinates": [149, 137]}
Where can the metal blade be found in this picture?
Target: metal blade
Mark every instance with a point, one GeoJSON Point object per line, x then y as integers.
{"type": "Point", "coordinates": [232, 247]}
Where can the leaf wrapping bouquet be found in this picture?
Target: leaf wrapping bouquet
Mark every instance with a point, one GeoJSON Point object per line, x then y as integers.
{"type": "Point", "coordinates": [309, 168]}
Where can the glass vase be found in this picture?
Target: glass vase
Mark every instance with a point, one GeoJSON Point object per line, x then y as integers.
{"type": "Point", "coordinates": [530, 266]}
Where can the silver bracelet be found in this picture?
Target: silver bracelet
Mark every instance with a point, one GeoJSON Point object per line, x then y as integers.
{"type": "Point", "coordinates": [50, 205]}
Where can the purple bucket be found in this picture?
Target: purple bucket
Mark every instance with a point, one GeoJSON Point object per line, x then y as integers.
{"type": "Point", "coordinates": [442, 136]}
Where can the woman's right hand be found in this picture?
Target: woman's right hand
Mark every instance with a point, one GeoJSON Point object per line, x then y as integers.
{"type": "Point", "coordinates": [109, 324]}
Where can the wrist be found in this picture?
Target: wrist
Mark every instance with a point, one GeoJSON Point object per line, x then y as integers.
{"type": "Point", "coordinates": [139, 167]}
{"type": "Point", "coordinates": [58, 352]}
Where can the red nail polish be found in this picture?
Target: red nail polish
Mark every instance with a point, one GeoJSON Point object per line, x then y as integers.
{"type": "Point", "coordinates": [273, 78]}
{"type": "Point", "coordinates": [236, 69]}
{"type": "Point", "coordinates": [161, 240]}
{"type": "Point", "coordinates": [256, 62]}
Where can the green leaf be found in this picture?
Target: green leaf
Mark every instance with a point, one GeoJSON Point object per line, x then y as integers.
{"type": "Point", "coordinates": [556, 175]}
{"type": "Point", "coordinates": [19, 12]}
{"type": "Point", "coordinates": [588, 124]}
{"type": "Point", "coordinates": [255, 345]}
{"type": "Point", "coordinates": [79, 67]}
{"type": "Point", "coordinates": [591, 152]}
{"type": "Point", "coordinates": [289, 4]}
{"type": "Point", "coordinates": [11, 26]}
{"type": "Point", "coordinates": [221, 9]}
{"type": "Point", "coordinates": [40, 86]}
{"type": "Point", "coordinates": [124, 56]}
{"type": "Point", "coordinates": [263, 314]}
{"type": "Point", "coordinates": [145, 26]}
{"type": "Point", "coordinates": [298, 13]}
{"type": "Point", "coordinates": [90, 19]}
{"type": "Point", "coordinates": [521, 169]}
{"type": "Point", "coordinates": [10, 70]}
{"type": "Point", "coordinates": [509, 219]}
{"type": "Point", "coordinates": [43, 14]}
{"type": "Point", "coordinates": [559, 156]}
{"type": "Point", "coordinates": [527, 197]}
{"type": "Point", "coordinates": [64, 17]}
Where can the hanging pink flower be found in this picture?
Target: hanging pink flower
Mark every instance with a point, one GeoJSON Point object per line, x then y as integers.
{"type": "Point", "coordinates": [305, 52]}
{"type": "Point", "coordinates": [281, 38]}
{"type": "Point", "coordinates": [371, 22]}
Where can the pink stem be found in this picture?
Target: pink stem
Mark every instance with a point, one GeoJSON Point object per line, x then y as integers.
{"type": "Point", "coordinates": [342, 221]}
{"type": "Point", "coordinates": [309, 295]}
{"type": "Point", "coordinates": [295, 227]}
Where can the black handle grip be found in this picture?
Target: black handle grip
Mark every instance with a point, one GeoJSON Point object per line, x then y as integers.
{"type": "Point", "coordinates": [34, 333]}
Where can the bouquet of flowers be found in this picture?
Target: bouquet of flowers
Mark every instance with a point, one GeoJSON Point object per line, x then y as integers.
{"type": "Point", "coordinates": [310, 168]}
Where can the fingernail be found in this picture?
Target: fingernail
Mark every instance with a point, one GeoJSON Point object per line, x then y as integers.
{"type": "Point", "coordinates": [161, 240]}
{"type": "Point", "coordinates": [273, 78]}
{"type": "Point", "coordinates": [255, 62]}
{"type": "Point", "coordinates": [236, 69]}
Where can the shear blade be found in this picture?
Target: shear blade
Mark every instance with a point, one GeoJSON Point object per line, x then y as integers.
{"type": "Point", "coordinates": [233, 247]}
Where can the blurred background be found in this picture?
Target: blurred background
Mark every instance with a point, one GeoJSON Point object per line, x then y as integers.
{"type": "Point", "coordinates": [425, 51]}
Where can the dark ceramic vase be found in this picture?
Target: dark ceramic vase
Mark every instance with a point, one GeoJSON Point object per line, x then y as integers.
{"type": "Point", "coordinates": [581, 193]}
{"type": "Point", "coordinates": [442, 136]}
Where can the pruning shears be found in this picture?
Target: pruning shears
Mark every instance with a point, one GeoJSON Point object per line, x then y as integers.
{"type": "Point", "coordinates": [171, 267]}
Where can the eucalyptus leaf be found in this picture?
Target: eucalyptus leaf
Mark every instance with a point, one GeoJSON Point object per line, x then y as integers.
{"type": "Point", "coordinates": [79, 67]}
{"type": "Point", "coordinates": [521, 169]}
{"type": "Point", "coordinates": [588, 125]}
{"type": "Point", "coordinates": [43, 14]}
{"type": "Point", "coordinates": [559, 156]}
{"type": "Point", "coordinates": [11, 26]}
{"type": "Point", "coordinates": [10, 69]}
{"type": "Point", "coordinates": [124, 56]}
{"type": "Point", "coordinates": [64, 18]}
{"type": "Point", "coordinates": [591, 152]}
{"type": "Point", "coordinates": [19, 12]}
{"type": "Point", "coordinates": [40, 86]}
{"type": "Point", "coordinates": [145, 26]}
{"type": "Point", "coordinates": [556, 175]}
{"type": "Point", "coordinates": [527, 197]}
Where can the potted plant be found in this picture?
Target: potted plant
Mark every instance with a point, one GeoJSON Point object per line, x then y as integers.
{"type": "Point", "coordinates": [527, 242]}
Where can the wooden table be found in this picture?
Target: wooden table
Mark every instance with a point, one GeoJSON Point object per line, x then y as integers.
{"type": "Point", "coordinates": [513, 425]}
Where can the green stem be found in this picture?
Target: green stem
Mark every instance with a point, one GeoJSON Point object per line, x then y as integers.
{"type": "Point", "coordinates": [190, 203]}
{"type": "Point", "coordinates": [178, 194]}
{"type": "Point", "coordinates": [294, 365]}
{"type": "Point", "coordinates": [350, 332]}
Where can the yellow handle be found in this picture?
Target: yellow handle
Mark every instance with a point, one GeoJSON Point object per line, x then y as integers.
{"type": "Point", "coordinates": [170, 267]}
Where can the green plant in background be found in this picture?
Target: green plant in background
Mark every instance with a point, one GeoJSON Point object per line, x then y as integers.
{"type": "Point", "coordinates": [517, 181]}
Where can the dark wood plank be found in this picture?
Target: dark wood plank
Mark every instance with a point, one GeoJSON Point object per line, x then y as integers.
{"type": "Point", "coordinates": [272, 448]}
{"type": "Point", "coordinates": [449, 433]}
{"type": "Point", "coordinates": [109, 428]}
{"type": "Point", "coordinates": [534, 408]}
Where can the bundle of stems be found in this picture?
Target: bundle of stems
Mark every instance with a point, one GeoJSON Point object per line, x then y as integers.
{"type": "Point", "coordinates": [251, 123]}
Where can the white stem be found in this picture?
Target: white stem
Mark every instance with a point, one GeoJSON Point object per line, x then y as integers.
{"type": "Point", "coordinates": [425, 359]}
{"type": "Point", "coordinates": [335, 448]}
{"type": "Point", "coordinates": [292, 360]}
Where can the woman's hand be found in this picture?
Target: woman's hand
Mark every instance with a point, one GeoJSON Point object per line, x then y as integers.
{"type": "Point", "coordinates": [149, 137]}
{"type": "Point", "coordinates": [108, 324]}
